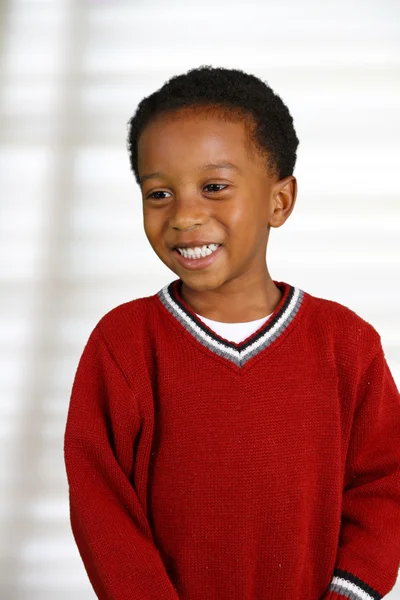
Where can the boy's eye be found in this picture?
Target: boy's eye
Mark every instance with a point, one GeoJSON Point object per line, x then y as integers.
{"type": "Point", "coordinates": [207, 186]}
{"type": "Point", "coordinates": [217, 184]}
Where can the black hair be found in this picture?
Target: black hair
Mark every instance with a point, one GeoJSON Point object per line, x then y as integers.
{"type": "Point", "coordinates": [233, 94]}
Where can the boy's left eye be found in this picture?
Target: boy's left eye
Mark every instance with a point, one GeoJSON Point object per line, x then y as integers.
{"type": "Point", "coordinates": [217, 184]}
{"type": "Point", "coordinates": [223, 185]}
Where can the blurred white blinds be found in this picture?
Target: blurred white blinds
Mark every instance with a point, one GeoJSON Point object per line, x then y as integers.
{"type": "Point", "coordinates": [72, 244]}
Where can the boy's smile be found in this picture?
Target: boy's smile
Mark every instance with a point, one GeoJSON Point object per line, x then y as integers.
{"type": "Point", "coordinates": [190, 201]}
{"type": "Point", "coordinates": [200, 257]}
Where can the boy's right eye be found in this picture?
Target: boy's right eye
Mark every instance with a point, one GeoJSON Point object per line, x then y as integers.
{"type": "Point", "coordinates": [160, 192]}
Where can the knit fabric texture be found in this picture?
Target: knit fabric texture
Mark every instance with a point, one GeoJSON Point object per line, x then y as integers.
{"type": "Point", "coordinates": [204, 469]}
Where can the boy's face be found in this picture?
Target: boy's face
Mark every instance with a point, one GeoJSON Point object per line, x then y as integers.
{"type": "Point", "coordinates": [186, 202]}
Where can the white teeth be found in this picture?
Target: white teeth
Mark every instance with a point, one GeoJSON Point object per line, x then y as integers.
{"type": "Point", "coordinates": [198, 252]}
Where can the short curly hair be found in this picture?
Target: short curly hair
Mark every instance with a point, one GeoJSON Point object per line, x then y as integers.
{"type": "Point", "coordinates": [232, 94]}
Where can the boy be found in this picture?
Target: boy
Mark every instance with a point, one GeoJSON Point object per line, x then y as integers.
{"type": "Point", "coordinates": [232, 436]}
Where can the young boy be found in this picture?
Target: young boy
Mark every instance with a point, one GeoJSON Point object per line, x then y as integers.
{"type": "Point", "coordinates": [231, 437]}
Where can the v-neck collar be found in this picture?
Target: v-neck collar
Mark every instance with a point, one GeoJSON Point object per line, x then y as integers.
{"type": "Point", "coordinates": [279, 321]}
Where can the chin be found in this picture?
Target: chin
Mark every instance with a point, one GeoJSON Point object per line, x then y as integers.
{"type": "Point", "coordinates": [202, 282]}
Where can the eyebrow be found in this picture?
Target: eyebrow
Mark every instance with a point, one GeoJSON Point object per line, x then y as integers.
{"type": "Point", "coordinates": [223, 165]}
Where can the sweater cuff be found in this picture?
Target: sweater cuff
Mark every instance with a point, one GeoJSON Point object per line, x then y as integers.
{"type": "Point", "coordinates": [346, 585]}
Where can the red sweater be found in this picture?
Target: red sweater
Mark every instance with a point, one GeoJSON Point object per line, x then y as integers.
{"type": "Point", "coordinates": [203, 469]}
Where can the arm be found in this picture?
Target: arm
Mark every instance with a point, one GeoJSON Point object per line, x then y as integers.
{"type": "Point", "coordinates": [368, 557]}
{"type": "Point", "coordinates": [107, 520]}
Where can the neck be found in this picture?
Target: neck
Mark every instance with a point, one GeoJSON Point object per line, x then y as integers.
{"type": "Point", "coordinates": [234, 304]}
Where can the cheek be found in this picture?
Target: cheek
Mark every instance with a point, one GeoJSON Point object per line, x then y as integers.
{"type": "Point", "coordinates": [150, 226]}
{"type": "Point", "coordinates": [239, 217]}
{"type": "Point", "coordinates": [241, 225]}
{"type": "Point", "coordinates": [154, 234]}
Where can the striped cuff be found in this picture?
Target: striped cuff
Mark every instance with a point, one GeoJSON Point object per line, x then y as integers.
{"type": "Point", "coordinates": [346, 585]}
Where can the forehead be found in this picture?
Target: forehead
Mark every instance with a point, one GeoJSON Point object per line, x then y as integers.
{"type": "Point", "coordinates": [187, 137]}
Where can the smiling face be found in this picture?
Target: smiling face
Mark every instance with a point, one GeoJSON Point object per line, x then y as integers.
{"type": "Point", "coordinates": [184, 200]}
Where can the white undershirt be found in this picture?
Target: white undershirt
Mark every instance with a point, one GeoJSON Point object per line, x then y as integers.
{"type": "Point", "coordinates": [234, 332]}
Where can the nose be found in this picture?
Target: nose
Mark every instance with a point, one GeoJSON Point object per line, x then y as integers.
{"type": "Point", "coordinates": [187, 214]}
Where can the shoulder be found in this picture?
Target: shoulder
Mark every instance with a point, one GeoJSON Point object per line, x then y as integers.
{"type": "Point", "coordinates": [342, 327]}
{"type": "Point", "coordinates": [126, 330]}
{"type": "Point", "coordinates": [126, 325]}
{"type": "Point", "coordinates": [133, 310]}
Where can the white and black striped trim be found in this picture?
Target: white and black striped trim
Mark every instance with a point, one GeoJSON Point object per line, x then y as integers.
{"type": "Point", "coordinates": [241, 353]}
{"type": "Point", "coordinates": [348, 585]}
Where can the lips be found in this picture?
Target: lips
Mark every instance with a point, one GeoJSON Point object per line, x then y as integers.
{"type": "Point", "coordinates": [194, 264]}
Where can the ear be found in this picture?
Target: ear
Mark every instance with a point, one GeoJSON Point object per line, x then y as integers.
{"type": "Point", "coordinates": [284, 199]}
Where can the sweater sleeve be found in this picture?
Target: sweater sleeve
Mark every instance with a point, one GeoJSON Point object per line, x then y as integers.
{"type": "Point", "coordinates": [107, 520]}
{"type": "Point", "coordinates": [368, 557]}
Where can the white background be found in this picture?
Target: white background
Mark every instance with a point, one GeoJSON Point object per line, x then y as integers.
{"type": "Point", "coordinates": [72, 244]}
